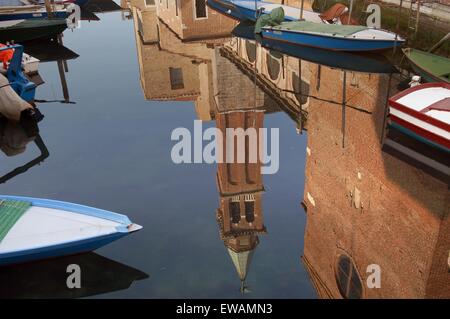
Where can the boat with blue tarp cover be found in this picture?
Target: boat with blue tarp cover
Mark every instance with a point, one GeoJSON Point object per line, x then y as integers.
{"type": "Point", "coordinates": [332, 36]}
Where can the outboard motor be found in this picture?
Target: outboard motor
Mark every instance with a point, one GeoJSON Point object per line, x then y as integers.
{"type": "Point", "coordinates": [23, 87]}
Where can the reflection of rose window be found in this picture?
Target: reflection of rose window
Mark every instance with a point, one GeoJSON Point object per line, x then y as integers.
{"type": "Point", "coordinates": [250, 48]}
{"type": "Point", "coordinates": [347, 278]}
{"type": "Point", "coordinates": [273, 66]}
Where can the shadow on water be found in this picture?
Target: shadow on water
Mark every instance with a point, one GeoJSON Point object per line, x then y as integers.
{"type": "Point", "coordinates": [48, 278]}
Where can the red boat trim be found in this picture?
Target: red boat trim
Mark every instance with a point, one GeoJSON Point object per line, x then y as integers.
{"type": "Point", "coordinates": [417, 114]}
{"type": "Point", "coordinates": [422, 132]}
{"type": "Point", "coordinates": [421, 116]}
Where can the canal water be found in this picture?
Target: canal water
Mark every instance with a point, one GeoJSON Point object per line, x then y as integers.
{"type": "Point", "coordinates": [111, 148]}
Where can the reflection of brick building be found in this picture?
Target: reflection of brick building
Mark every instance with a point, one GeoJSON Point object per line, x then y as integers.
{"type": "Point", "coordinates": [367, 207]}
{"type": "Point", "coordinates": [193, 19]}
{"type": "Point", "coordinates": [240, 215]}
{"type": "Point", "coordinates": [171, 70]}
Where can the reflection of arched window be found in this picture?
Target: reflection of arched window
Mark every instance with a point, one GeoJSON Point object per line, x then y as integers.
{"type": "Point", "coordinates": [301, 89]}
{"type": "Point", "coordinates": [273, 66]}
{"type": "Point", "coordinates": [250, 47]}
{"type": "Point", "coordinates": [347, 278]}
{"type": "Point", "coordinates": [235, 212]}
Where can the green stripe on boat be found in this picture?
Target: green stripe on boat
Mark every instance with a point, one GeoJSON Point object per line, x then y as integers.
{"type": "Point", "coordinates": [331, 29]}
{"type": "Point", "coordinates": [10, 213]}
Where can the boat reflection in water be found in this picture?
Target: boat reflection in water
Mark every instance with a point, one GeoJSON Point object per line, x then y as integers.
{"type": "Point", "coordinates": [14, 139]}
{"type": "Point", "coordinates": [366, 208]}
{"type": "Point", "coordinates": [48, 278]}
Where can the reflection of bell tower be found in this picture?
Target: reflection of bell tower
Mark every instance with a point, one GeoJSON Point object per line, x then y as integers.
{"type": "Point", "coordinates": [240, 186]}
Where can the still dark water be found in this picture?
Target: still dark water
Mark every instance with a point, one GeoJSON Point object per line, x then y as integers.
{"type": "Point", "coordinates": [112, 150]}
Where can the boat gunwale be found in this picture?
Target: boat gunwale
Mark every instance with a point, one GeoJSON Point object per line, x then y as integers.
{"type": "Point", "coordinates": [73, 208]}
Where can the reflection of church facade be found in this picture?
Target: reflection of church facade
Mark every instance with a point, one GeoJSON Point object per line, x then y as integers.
{"type": "Point", "coordinates": [366, 207]}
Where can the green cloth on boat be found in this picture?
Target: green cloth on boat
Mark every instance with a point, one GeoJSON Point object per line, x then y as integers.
{"type": "Point", "coordinates": [438, 66]}
{"type": "Point", "coordinates": [274, 18]}
{"type": "Point", "coordinates": [10, 213]}
{"type": "Point", "coordinates": [332, 29]}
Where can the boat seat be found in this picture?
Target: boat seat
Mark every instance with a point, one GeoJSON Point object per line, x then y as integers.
{"type": "Point", "coordinates": [10, 213]}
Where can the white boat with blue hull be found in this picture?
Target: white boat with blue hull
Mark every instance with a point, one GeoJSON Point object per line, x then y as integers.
{"type": "Point", "coordinates": [332, 37]}
{"type": "Point", "coordinates": [33, 229]}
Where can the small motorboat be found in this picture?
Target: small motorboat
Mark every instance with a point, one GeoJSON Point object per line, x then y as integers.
{"type": "Point", "coordinates": [27, 30]}
{"type": "Point", "coordinates": [247, 10]}
{"type": "Point", "coordinates": [33, 229]}
{"type": "Point", "coordinates": [431, 67]}
{"type": "Point", "coordinates": [332, 36]}
{"type": "Point", "coordinates": [351, 61]}
{"type": "Point", "coordinates": [423, 112]}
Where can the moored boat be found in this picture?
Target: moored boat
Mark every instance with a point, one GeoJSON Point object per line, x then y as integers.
{"type": "Point", "coordinates": [27, 30]}
{"type": "Point", "coordinates": [350, 61]}
{"type": "Point", "coordinates": [431, 67]}
{"type": "Point", "coordinates": [225, 7]}
{"type": "Point", "coordinates": [251, 10]}
{"type": "Point", "coordinates": [34, 229]}
{"type": "Point", "coordinates": [423, 112]}
{"type": "Point", "coordinates": [332, 37]}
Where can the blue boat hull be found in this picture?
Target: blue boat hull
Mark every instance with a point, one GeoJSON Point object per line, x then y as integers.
{"type": "Point", "coordinates": [251, 14]}
{"type": "Point", "coordinates": [67, 248]}
{"type": "Point", "coordinates": [328, 42]}
{"type": "Point", "coordinates": [59, 250]}
{"type": "Point", "coordinates": [224, 7]}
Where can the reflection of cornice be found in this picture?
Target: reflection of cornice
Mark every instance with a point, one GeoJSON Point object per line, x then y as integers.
{"type": "Point", "coordinates": [287, 105]}
{"type": "Point", "coordinates": [321, 288]}
{"type": "Point", "coordinates": [231, 194]}
{"type": "Point", "coordinates": [176, 97]}
{"type": "Point", "coordinates": [238, 232]}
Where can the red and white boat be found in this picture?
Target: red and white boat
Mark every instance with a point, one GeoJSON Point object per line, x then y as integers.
{"type": "Point", "coordinates": [423, 112]}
